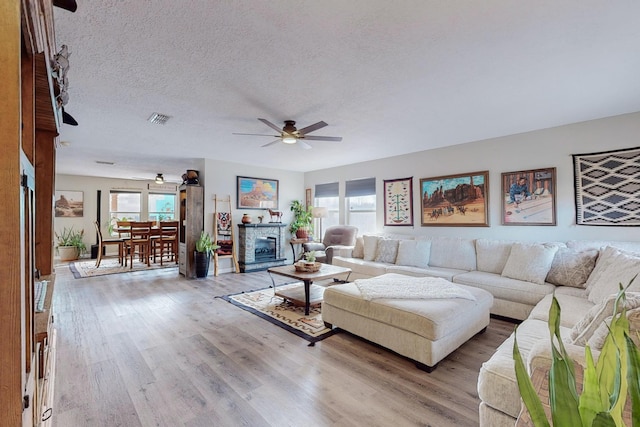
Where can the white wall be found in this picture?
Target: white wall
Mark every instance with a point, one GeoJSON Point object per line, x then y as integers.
{"type": "Point", "coordinates": [533, 150]}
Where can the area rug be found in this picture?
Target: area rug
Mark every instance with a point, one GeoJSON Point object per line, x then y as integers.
{"type": "Point", "coordinates": [82, 269]}
{"type": "Point", "coordinates": [265, 304]}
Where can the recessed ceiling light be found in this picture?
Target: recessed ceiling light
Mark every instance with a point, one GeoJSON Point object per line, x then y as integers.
{"type": "Point", "coordinates": [158, 118]}
{"type": "Point", "coordinates": [102, 162]}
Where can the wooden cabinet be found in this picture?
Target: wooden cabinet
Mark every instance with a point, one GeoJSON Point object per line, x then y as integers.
{"type": "Point", "coordinates": [191, 225]}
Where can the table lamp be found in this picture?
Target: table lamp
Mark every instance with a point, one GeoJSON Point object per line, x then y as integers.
{"type": "Point", "coordinates": [319, 212]}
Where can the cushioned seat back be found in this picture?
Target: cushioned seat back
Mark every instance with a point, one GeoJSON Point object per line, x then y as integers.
{"type": "Point", "coordinates": [344, 235]}
{"type": "Point", "coordinates": [451, 252]}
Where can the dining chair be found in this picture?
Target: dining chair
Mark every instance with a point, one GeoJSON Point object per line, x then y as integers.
{"type": "Point", "coordinates": [139, 242]}
{"type": "Point", "coordinates": [104, 243]}
{"type": "Point", "coordinates": [166, 241]}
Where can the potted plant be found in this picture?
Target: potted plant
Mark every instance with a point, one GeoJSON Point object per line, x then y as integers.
{"type": "Point", "coordinates": [204, 248]}
{"type": "Point", "coordinates": [69, 244]}
{"type": "Point", "coordinates": [607, 385]}
{"type": "Point", "coordinates": [302, 220]}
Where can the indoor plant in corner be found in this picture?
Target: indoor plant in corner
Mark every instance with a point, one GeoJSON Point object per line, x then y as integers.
{"type": "Point", "coordinates": [202, 256]}
{"type": "Point", "coordinates": [302, 220]}
{"type": "Point", "coordinates": [605, 384]}
{"type": "Point", "coordinates": [69, 244]}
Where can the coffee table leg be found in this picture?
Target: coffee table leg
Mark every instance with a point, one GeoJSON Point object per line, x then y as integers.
{"type": "Point", "coordinates": [307, 290]}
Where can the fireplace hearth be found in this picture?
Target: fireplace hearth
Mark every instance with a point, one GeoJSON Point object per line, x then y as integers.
{"type": "Point", "coordinates": [261, 246]}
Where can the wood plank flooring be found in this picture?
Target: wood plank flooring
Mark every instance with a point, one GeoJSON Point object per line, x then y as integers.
{"type": "Point", "coordinates": [154, 349]}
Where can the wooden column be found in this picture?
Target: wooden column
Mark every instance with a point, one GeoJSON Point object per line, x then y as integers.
{"type": "Point", "coordinates": [45, 184]}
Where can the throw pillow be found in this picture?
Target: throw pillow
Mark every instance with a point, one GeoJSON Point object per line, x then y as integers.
{"type": "Point", "coordinates": [600, 335]}
{"type": "Point", "coordinates": [414, 253]}
{"type": "Point", "coordinates": [370, 247]}
{"type": "Point", "coordinates": [614, 266]}
{"type": "Point", "coordinates": [584, 329]}
{"type": "Point", "coordinates": [572, 268]}
{"type": "Point", "coordinates": [387, 251]}
{"type": "Point", "coordinates": [358, 249]}
{"type": "Point", "coordinates": [529, 262]}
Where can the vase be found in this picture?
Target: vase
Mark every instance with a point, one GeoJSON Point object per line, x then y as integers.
{"type": "Point", "coordinates": [246, 219]}
{"type": "Point", "coordinates": [202, 260]}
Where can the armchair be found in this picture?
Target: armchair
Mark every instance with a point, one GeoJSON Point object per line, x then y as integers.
{"type": "Point", "coordinates": [335, 238]}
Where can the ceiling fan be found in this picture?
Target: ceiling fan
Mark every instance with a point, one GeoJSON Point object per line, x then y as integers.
{"type": "Point", "coordinates": [289, 134]}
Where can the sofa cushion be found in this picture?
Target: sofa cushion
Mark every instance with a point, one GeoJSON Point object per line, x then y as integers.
{"type": "Point", "coordinates": [600, 334]}
{"type": "Point", "coordinates": [492, 255]}
{"type": "Point", "coordinates": [414, 253]}
{"type": "Point", "coordinates": [445, 273]}
{"type": "Point", "coordinates": [358, 249]}
{"type": "Point", "coordinates": [573, 308]}
{"type": "Point", "coordinates": [529, 262]}
{"type": "Point", "coordinates": [361, 267]}
{"type": "Point", "coordinates": [583, 245]}
{"type": "Point", "coordinates": [505, 288]}
{"type": "Point", "coordinates": [572, 268]}
{"type": "Point", "coordinates": [613, 267]}
{"type": "Point", "coordinates": [451, 252]}
{"type": "Point", "coordinates": [587, 325]}
{"type": "Point", "coordinates": [387, 250]}
{"type": "Point", "coordinates": [370, 247]}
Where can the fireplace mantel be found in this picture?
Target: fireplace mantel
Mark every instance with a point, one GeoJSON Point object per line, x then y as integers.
{"type": "Point", "coordinates": [247, 234]}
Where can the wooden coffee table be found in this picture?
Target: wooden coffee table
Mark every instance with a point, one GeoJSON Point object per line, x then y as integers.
{"type": "Point", "coordinates": [311, 293]}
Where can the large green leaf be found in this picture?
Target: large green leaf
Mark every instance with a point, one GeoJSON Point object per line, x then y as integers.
{"type": "Point", "coordinates": [590, 400]}
{"type": "Point", "coordinates": [633, 379]}
{"type": "Point", "coordinates": [528, 393]}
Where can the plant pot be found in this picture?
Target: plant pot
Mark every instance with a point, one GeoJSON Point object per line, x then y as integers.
{"type": "Point", "coordinates": [302, 233]}
{"type": "Point", "coordinates": [68, 253]}
{"type": "Point", "coordinates": [202, 260]}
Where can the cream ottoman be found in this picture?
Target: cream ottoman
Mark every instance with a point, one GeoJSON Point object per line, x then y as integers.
{"type": "Point", "coordinates": [424, 329]}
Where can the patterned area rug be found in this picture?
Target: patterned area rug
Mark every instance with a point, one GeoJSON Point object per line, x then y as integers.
{"type": "Point", "coordinates": [81, 269]}
{"type": "Point", "coordinates": [282, 313]}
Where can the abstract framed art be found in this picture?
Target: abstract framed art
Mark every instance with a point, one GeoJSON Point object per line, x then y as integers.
{"type": "Point", "coordinates": [607, 187]}
{"type": "Point", "coordinates": [455, 200]}
{"type": "Point", "coordinates": [529, 197]}
{"type": "Point", "coordinates": [257, 193]}
{"type": "Point", "coordinates": [398, 202]}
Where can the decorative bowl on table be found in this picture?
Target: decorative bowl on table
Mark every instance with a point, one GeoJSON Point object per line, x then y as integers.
{"type": "Point", "coordinates": [307, 267]}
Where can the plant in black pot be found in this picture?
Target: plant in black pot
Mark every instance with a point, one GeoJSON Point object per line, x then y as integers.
{"type": "Point", "coordinates": [302, 220]}
{"type": "Point", "coordinates": [204, 248]}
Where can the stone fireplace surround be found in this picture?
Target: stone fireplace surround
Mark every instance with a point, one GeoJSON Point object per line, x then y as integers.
{"type": "Point", "coordinates": [247, 234]}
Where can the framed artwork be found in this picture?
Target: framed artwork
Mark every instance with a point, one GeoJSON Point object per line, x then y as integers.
{"type": "Point", "coordinates": [257, 193]}
{"type": "Point", "coordinates": [607, 187]}
{"type": "Point", "coordinates": [455, 200]}
{"type": "Point", "coordinates": [308, 200]}
{"type": "Point", "coordinates": [398, 202]}
{"type": "Point", "coordinates": [69, 204]}
{"type": "Point", "coordinates": [529, 197]}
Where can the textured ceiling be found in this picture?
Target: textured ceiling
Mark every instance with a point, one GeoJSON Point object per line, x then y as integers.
{"type": "Point", "coordinates": [389, 77]}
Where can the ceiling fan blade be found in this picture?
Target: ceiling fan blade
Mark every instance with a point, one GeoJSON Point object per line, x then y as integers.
{"type": "Point", "coordinates": [271, 143]}
{"type": "Point", "coordinates": [304, 144]}
{"type": "Point", "coordinates": [271, 125]}
{"type": "Point", "coordinates": [324, 138]}
{"type": "Point", "coordinates": [311, 128]}
{"type": "Point", "coordinates": [256, 134]}
{"type": "Point", "coordinates": [69, 5]}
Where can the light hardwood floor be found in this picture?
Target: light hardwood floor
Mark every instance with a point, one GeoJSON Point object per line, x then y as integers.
{"type": "Point", "coordinates": [153, 349]}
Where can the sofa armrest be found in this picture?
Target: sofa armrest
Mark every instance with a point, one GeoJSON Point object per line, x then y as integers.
{"type": "Point", "coordinates": [338, 250]}
{"type": "Point", "coordinates": [540, 355]}
{"type": "Point", "coordinates": [312, 246]}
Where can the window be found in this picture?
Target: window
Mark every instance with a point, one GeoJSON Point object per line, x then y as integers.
{"type": "Point", "coordinates": [326, 196]}
{"type": "Point", "coordinates": [124, 205]}
{"type": "Point", "coordinates": [360, 198]}
{"type": "Point", "coordinates": [162, 207]}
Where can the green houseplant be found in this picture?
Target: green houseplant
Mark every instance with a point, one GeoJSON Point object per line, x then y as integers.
{"type": "Point", "coordinates": [205, 247]}
{"type": "Point", "coordinates": [302, 220]}
{"type": "Point", "coordinates": [69, 244]}
{"type": "Point", "coordinates": [605, 383]}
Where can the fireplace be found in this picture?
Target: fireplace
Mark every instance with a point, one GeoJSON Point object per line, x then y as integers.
{"type": "Point", "coordinates": [261, 246]}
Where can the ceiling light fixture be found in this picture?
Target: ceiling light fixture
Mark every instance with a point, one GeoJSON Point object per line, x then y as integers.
{"type": "Point", "coordinates": [159, 179]}
{"type": "Point", "coordinates": [289, 139]}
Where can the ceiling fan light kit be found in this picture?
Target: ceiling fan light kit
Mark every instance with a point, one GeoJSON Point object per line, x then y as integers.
{"type": "Point", "coordinates": [289, 134]}
{"type": "Point", "coordinates": [159, 179]}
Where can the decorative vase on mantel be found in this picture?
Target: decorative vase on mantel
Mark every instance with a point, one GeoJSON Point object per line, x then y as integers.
{"type": "Point", "coordinates": [246, 219]}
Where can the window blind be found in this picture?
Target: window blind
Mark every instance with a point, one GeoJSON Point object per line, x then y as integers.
{"type": "Point", "coordinates": [360, 187]}
{"type": "Point", "coordinates": [327, 190]}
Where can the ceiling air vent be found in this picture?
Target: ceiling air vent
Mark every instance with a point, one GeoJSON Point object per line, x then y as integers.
{"type": "Point", "coordinates": [159, 119]}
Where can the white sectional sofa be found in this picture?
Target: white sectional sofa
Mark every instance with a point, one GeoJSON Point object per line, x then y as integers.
{"type": "Point", "coordinates": [522, 277]}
